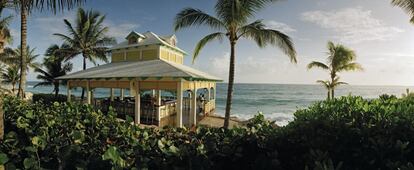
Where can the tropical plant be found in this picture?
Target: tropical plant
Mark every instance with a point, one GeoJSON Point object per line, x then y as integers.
{"type": "Point", "coordinates": [25, 7]}
{"type": "Point", "coordinates": [340, 58]}
{"type": "Point", "coordinates": [55, 66]}
{"type": "Point", "coordinates": [13, 57]}
{"type": "Point", "coordinates": [232, 23]}
{"type": "Point", "coordinates": [11, 76]}
{"type": "Point", "coordinates": [88, 38]}
{"type": "Point", "coordinates": [5, 34]}
{"type": "Point", "coordinates": [406, 5]}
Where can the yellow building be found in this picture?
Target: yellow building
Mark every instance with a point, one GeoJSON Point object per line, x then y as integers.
{"type": "Point", "coordinates": [149, 66]}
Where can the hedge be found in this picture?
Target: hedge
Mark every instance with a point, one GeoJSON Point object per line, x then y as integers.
{"type": "Point", "coordinates": [345, 133]}
{"type": "Point", "coordinates": [49, 98]}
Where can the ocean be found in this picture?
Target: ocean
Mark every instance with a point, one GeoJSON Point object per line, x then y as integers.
{"type": "Point", "coordinates": [277, 102]}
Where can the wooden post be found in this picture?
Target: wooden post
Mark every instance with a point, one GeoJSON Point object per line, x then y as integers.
{"type": "Point", "coordinates": [137, 104]}
{"type": "Point", "coordinates": [69, 93]}
{"type": "Point", "coordinates": [122, 94]}
{"type": "Point", "coordinates": [159, 106]}
{"type": "Point", "coordinates": [88, 93]}
{"type": "Point", "coordinates": [112, 92]}
{"type": "Point", "coordinates": [193, 113]}
{"type": "Point", "coordinates": [179, 107]}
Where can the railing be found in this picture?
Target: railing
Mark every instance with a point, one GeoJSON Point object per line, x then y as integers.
{"type": "Point", "coordinates": [149, 112]}
{"type": "Point", "coordinates": [209, 107]}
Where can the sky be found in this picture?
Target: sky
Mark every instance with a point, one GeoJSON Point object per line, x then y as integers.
{"type": "Point", "coordinates": [379, 33]}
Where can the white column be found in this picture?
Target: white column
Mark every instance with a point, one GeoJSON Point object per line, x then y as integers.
{"type": "Point", "coordinates": [122, 94]}
{"type": "Point", "coordinates": [137, 104]}
{"type": "Point", "coordinates": [69, 93]}
{"type": "Point", "coordinates": [193, 113]}
{"type": "Point", "coordinates": [112, 93]}
{"type": "Point", "coordinates": [179, 107]}
{"type": "Point", "coordinates": [88, 93]}
{"type": "Point", "coordinates": [208, 95]}
{"type": "Point", "coordinates": [159, 105]}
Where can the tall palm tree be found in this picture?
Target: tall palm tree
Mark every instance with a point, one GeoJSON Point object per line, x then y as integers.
{"type": "Point", "coordinates": [11, 76]}
{"type": "Point", "coordinates": [55, 66]}
{"type": "Point", "coordinates": [406, 5]}
{"type": "Point", "coordinates": [88, 38]}
{"type": "Point", "coordinates": [340, 58]}
{"type": "Point", "coordinates": [25, 7]}
{"type": "Point", "coordinates": [13, 56]}
{"type": "Point", "coordinates": [232, 22]}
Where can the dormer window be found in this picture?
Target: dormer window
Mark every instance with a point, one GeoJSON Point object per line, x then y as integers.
{"type": "Point", "coordinates": [134, 37]}
{"type": "Point", "coordinates": [132, 40]}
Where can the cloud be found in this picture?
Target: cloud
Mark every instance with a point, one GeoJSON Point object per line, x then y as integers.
{"type": "Point", "coordinates": [280, 26]}
{"type": "Point", "coordinates": [353, 25]}
{"type": "Point", "coordinates": [120, 30]}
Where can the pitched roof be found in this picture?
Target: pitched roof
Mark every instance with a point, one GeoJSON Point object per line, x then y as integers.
{"type": "Point", "coordinates": [150, 39]}
{"type": "Point", "coordinates": [141, 69]}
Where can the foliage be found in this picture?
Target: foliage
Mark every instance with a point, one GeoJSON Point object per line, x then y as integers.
{"type": "Point", "coordinates": [344, 133]}
{"type": "Point", "coordinates": [12, 57]}
{"type": "Point", "coordinates": [340, 59]}
{"type": "Point", "coordinates": [49, 99]}
{"type": "Point", "coordinates": [55, 66]}
{"type": "Point", "coordinates": [10, 76]}
{"type": "Point", "coordinates": [232, 22]}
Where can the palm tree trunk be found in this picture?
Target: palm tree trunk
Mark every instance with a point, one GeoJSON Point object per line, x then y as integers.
{"type": "Point", "coordinates": [84, 68]}
{"type": "Point", "coordinates": [1, 119]}
{"type": "Point", "coordinates": [23, 72]}
{"type": "Point", "coordinates": [333, 75]}
{"type": "Point", "coordinates": [230, 85]}
{"type": "Point", "coordinates": [13, 87]}
{"type": "Point", "coordinates": [329, 94]}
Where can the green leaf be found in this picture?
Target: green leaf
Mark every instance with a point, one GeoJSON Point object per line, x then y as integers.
{"type": "Point", "coordinates": [29, 163]}
{"type": "Point", "coordinates": [112, 154]}
{"type": "Point", "coordinates": [3, 159]}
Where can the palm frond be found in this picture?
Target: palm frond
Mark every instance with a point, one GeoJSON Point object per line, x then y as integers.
{"type": "Point", "coordinates": [195, 17]}
{"type": "Point", "coordinates": [204, 41]}
{"type": "Point", "coordinates": [318, 64]}
{"type": "Point", "coordinates": [407, 6]}
{"type": "Point", "coordinates": [263, 37]}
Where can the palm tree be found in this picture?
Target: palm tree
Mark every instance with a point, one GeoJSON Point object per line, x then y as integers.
{"type": "Point", "coordinates": [11, 76]}
{"type": "Point", "coordinates": [13, 56]}
{"type": "Point", "coordinates": [24, 7]}
{"type": "Point", "coordinates": [55, 66]}
{"type": "Point", "coordinates": [340, 58]}
{"type": "Point", "coordinates": [406, 5]}
{"type": "Point", "coordinates": [5, 34]}
{"type": "Point", "coordinates": [232, 23]}
{"type": "Point", "coordinates": [88, 38]}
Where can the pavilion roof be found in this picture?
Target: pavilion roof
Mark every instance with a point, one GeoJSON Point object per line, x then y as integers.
{"type": "Point", "coordinates": [141, 69]}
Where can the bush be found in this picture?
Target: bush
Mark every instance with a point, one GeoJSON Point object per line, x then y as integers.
{"type": "Point", "coordinates": [49, 98]}
{"type": "Point", "coordinates": [344, 133]}
{"type": "Point", "coordinates": [66, 136]}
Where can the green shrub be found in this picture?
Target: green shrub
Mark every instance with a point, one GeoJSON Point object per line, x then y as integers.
{"type": "Point", "coordinates": [344, 133]}
{"type": "Point", "coordinates": [75, 136]}
{"type": "Point", "coordinates": [49, 98]}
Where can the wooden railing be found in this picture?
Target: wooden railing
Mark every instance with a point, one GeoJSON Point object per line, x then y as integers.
{"type": "Point", "coordinates": [209, 107]}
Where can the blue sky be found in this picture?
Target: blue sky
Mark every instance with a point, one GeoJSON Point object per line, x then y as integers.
{"type": "Point", "coordinates": [379, 33]}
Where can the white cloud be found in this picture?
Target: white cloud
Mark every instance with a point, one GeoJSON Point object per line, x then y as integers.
{"type": "Point", "coordinates": [120, 30]}
{"type": "Point", "coordinates": [280, 26]}
{"type": "Point", "coordinates": [352, 25]}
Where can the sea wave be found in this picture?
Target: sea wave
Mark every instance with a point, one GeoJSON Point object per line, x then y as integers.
{"type": "Point", "coordinates": [281, 119]}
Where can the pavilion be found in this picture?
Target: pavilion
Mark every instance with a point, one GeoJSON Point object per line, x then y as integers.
{"type": "Point", "coordinates": [148, 62]}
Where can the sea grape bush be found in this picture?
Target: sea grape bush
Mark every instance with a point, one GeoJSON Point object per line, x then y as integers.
{"type": "Point", "coordinates": [344, 133]}
{"type": "Point", "coordinates": [67, 136]}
